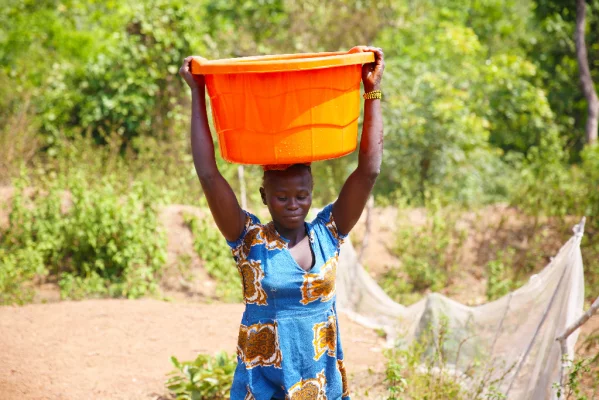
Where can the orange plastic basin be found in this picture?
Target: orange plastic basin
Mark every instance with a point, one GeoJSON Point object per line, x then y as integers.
{"type": "Point", "coordinates": [285, 109]}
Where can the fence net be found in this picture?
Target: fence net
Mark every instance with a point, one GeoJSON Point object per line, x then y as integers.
{"type": "Point", "coordinates": [512, 337]}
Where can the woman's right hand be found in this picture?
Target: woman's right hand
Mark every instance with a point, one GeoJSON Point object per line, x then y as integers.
{"type": "Point", "coordinates": [194, 82]}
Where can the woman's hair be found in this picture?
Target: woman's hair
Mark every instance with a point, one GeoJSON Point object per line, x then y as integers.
{"type": "Point", "coordinates": [272, 170]}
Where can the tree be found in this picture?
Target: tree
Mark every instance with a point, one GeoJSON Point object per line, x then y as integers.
{"type": "Point", "coordinates": [586, 80]}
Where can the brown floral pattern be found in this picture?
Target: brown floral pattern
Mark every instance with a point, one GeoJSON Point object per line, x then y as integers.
{"type": "Point", "coordinates": [251, 275]}
{"type": "Point", "coordinates": [258, 345]}
{"type": "Point", "coordinates": [272, 239]}
{"type": "Point", "coordinates": [321, 285]}
{"type": "Point", "coordinates": [332, 227]}
{"type": "Point", "coordinates": [252, 238]}
{"type": "Point", "coordinates": [258, 234]}
{"type": "Point", "coordinates": [325, 338]}
{"type": "Point", "coordinates": [309, 389]}
{"type": "Point", "coordinates": [341, 368]}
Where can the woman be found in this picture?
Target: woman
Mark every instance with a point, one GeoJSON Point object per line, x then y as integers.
{"type": "Point", "coordinates": [288, 346]}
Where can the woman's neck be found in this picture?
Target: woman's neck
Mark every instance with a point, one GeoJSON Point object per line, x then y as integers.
{"type": "Point", "coordinates": [293, 235]}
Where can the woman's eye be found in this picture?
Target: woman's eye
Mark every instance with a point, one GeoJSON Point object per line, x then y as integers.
{"type": "Point", "coordinates": [302, 197]}
{"type": "Point", "coordinates": [282, 198]}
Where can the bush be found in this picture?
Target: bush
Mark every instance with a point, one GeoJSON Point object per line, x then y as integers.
{"type": "Point", "coordinates": [216, 255]}
{"type": "Point", "coordinates": [576, 372]}
{"type": "Point", "coordinates": [427, 253]}
{"type": "Point", "coordinates": [105, 244]}
{"type": "Point", "coordinates": [207, 378]}
{"type": "Point", "coordinates": [423, 371]}
{"type": "Point", "coordinates": [499, 282]}
{"type": "Point", "coordinates": [16, 269]}
{"type": "Point", "coordinates": [548, 187]}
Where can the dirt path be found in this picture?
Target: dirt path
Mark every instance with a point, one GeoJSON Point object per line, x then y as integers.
{"type": "Point", "coordinates": [120, 349]}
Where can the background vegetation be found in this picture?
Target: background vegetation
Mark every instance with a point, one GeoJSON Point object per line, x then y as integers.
{"type": "Point", "coordinates": [482, 106]}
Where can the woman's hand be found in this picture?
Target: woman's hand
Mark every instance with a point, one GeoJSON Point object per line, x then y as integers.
{"type": "Point", "coordinates": [372, 73]}
{"type": "Point", "coordinates": [194, 82]}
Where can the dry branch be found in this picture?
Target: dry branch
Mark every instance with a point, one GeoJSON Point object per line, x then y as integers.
{"type": "Point", "coordinates": [569, 330]}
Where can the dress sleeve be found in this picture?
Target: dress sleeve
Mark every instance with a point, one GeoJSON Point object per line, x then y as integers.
{"type": "Point", "coordinates": [325, 221]}
{"type": "Point", "coordinates": [250, 221]}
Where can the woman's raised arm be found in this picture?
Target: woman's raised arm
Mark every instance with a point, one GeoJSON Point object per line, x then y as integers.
{"type": "Point", "coordinates": [356, 190]}
{"type": "Point", "coordinates": [227, 213]}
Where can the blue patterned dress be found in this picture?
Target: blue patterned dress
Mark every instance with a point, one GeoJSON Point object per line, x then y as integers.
{"type": "Point", "coordinates": [289, 346]}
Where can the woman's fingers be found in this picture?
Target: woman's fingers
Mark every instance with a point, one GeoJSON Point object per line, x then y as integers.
{"type": "Point", "coordinates": [185, 68]}
{"type": "Point", "coordinates": [185, 72]}
{"type": "Point", "coordinates": [372, 73]}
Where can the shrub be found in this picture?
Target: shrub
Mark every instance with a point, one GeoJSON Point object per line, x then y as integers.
{"type": "Point", "coordinates": [214, 252]}
{"type": "Point", "coordinates": [105, 244]}
{"type": "Point", "coordinates": [114, 239]}
{"type": "Point", "coordinates": [16, 269]}
{"type": "Point", "coordinates": [499, 282]}
{"type": "Point", "coordinates": [577, 371]}
{"type": "Point", "coordinates": [427, 253]}
{"type": "Point", "coordinates": [422, 371]}
{"type": "Point", "coordinates": [207, 378]}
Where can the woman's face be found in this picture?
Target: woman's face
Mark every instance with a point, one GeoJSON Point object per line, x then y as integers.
{"type": "Point", "coordinates": [288, 195]}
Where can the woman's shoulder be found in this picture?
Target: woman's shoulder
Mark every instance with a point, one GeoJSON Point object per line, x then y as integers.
{"type": "Point", "coordinates": [324, 225]}
{"type": "Point", "coordinates": [251, 223]}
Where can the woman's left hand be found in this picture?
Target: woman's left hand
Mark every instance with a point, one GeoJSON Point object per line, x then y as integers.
{"type": "Point", "coordinates": [372, 73]}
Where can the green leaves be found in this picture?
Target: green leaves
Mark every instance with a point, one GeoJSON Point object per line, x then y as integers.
{"type": "Point", "coordinates": [216, 256]}
{"type": "Point", "coordinates": [106, 243]}
{"type": "Point", "coordinates": [428, 255]}
{"type": "Point", "coordinates": [206, 377]}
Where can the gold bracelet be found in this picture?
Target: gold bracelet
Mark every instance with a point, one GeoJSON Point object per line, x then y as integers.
{"type": "Point", "coordinates": [375, 94]}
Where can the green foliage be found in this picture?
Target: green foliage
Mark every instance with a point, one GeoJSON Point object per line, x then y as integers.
{"type": "Point", "coordinates": [114, 65]}
{"type": "Point", "coordinates": [17, 269]}
{"type": "Point", "coordinates": [423, 371]}
{"type": "Point", "coordinates": [105, 244]}
{"type": "Point", "coordinates": [499, 281]}
{"type": "Point", "coordinates": [559, 193]}
{"type": "Point", "coordinates": [590, 180]}
{"type": "Point", "coordinates": [206, 377]}
{"type": "Point", "coordinates": [427, 253]}
{"type": "Point", "coordinates": [555, 54]}
{"type": "Point", "coordinates": [547, 187]}
{"type": "Point", "coordinates": [574, 387]}
{"type": "Point", "coordinates": [216, 255]}
{"type": "Point", "coordinates": [132, 88]}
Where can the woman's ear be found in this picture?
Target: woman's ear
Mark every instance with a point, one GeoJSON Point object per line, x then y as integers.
{"type": "Point", "coordinates": [263, 195]}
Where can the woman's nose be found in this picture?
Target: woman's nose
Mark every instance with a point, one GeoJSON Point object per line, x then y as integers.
{"type": "Point", "coordinates": [293, 204]}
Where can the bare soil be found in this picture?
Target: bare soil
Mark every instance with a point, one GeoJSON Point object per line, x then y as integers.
{"type": "Point", "coordinates": [121, 349]}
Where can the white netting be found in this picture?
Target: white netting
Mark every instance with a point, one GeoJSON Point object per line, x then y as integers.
{"type": "Point", "coordinates": [516, 331]}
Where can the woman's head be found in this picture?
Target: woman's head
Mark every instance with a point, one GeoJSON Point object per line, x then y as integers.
{"type": "Point", "coordinates": [288, 194]}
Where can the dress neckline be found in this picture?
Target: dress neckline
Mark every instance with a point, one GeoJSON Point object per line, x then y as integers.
{"type": "Point", "coordinates": [310, 234]}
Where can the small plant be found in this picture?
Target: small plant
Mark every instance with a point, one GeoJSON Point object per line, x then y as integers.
{"type": "Point", "coordinates": [214, 252]}
{"type": "Point", "coordinates": [206, 377]}
{"type": "Point", "coordinates": [184, 267]}
{"type": "Point", "coordinates": [16, 269]}
{"type": "Point", "coordinates": [423, 371]}
{"type": "Point", "coordinates": [578, 371]}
